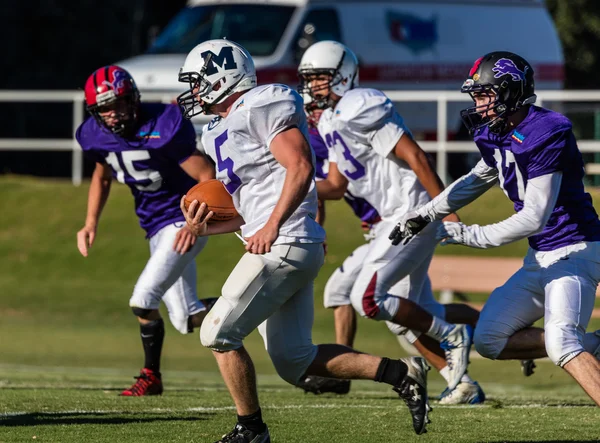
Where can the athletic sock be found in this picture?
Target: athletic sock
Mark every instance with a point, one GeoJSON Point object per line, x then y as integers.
{"type": "Point", "coordinates": [253, 422]}
{"type": "Point", "coordinates": [391, 372]}
{"type": "Point", "coordinates": [439, 329]}
{"type": "Point", "coordinates": [153, 335]}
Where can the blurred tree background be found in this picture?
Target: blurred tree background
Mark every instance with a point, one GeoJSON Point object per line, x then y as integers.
{"type": "Point", "coordinates": [578, 25]}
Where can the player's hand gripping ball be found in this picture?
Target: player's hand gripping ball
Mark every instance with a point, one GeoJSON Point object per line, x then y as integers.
{"type": "Point", "coordinates": [216, 197]}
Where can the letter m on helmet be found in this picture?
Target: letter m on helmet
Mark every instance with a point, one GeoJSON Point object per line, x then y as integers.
{"type": "Point", "coordinates": [224, 60]}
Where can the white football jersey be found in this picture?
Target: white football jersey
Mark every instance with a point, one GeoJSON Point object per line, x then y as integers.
{"type": "Point", "coordinates": [239, 146]}
{"type": "Point", "coordinates": [361, 133]}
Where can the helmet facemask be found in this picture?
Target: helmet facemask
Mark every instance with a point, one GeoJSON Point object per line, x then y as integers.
{"type": "Point", "coordinates": [308, 75]}
{"type": "Point", "coordinates": [477, 117]}
{"type": "Point", "coordinates": [308, 89]}
{"type": "Point", "coordinates": [125, 109]}
{"type": "Point", "coordinates": [313, 112]}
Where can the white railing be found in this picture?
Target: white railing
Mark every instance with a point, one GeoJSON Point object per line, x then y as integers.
{"type": "Point", "coordinates": [442, 146]}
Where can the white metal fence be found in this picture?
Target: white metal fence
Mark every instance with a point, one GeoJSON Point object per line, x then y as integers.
{"type": "Point", "coordinates": [442, 146]}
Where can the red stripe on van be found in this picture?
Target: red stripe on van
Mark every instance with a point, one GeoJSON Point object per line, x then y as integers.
{"type": "Point", "coordinates": [423, 73]}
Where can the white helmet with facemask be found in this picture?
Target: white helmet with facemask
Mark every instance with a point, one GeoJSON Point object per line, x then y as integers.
{"type": "Point", "coordinates": [328, 58]}
{"type": "Point", "coordinates": [215, 70]}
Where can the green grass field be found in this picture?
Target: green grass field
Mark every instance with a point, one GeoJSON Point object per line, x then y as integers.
{"type": "Point", "coordinates": [69, 343]}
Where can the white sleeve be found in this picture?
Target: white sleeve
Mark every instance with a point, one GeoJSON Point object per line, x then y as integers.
{"type": "Point", "coordinates": [385, 138]}
{"type": "Point", "coordinates": [462, 192]}
{"type": "Point", "coordinates": [540, 199]}
{"type": "Point", "coordinates": [377, 119]}
{"type": "Point", "coordinates": [269, 118]}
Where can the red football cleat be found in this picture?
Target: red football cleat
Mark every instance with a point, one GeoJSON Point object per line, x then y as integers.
{"type": "Point", "coordinates": [148, 383]}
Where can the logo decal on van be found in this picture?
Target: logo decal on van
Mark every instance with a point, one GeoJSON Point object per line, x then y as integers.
{"type": "Point", "coordinates": [411, 31]}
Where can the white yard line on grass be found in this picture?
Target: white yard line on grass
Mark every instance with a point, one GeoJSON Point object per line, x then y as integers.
{"type": "Point", "coordinates": [279, 407]}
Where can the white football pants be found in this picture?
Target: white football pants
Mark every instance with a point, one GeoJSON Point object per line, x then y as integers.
{"type": "Point", "coordinates": [170, 277]}
{"type": "Point", "coordinates": [274, 293]}
{"type": "Point", "coordinates": [389, 273]}
{"type": "Point", "coordinates": [339, 287]}
{"type": "Point", "coordinates": [558, 285]}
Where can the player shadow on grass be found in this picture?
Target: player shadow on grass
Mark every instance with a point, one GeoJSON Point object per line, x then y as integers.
{"type": "Point", "coordinates": [92, 418]}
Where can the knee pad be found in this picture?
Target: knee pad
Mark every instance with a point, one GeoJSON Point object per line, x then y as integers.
{"type": "Point", "coordinates": [218, 332]}
{"type": "Point", "coordinates": [291, 364]}
{"type": "Point", "coordinates": [141, 312]}
{"type": "Point", "coordinates": [209, 332]}
{"type": "Point", "coordinates": [488, 344]}
{"type": "Point", "coordinates": [562, 344]}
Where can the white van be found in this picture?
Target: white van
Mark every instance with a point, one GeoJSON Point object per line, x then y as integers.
{"type": "Point", "coordinates": [401, 45]}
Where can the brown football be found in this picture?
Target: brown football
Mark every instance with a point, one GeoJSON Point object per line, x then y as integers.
{"type": "Point", "coordinates": [214, 194]}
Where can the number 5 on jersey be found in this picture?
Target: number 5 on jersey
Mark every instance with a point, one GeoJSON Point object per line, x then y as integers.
{"type": "Point", "coordinates": [226, 164]}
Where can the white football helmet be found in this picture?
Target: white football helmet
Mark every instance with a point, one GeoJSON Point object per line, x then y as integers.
{"type": "Point", "coordinates": [329, 58]}
{"type": "Point", "coordinates": [215, 70]}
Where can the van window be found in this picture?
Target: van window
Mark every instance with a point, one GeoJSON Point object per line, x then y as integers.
{"type": "Point", "coordinates": [326, 24]}
{"type": "Point", "coordinates": [241, 23]}
{"type": "Point", "coordinates": [319, 25]}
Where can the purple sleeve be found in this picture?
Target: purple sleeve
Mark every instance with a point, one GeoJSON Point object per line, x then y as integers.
{"type": "Point", "coordinates": [321, 153]}
{"type": "Point", "coordinates": [183, 143]}
{"type": "Point", "coordinates": [547, 153]}
{"type": "Point", "coordinates": [488, 157]}
{"type": "Point", "coordinates": [85, 139]}
{"type": "Point", "coordinates": [318, 145]}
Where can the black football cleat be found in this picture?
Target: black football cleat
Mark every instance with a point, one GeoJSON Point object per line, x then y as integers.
{"type": "Point", "coordinates": [241, 434]}
{"type": "Point", "coordinates": [527, 367]}
{"type": "Point", "coordinates": [321, 385]}
{"type": "Point", "coordinates": [413, 390]}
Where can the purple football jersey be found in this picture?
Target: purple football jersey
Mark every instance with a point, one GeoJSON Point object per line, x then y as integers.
{"type": "Point", "coordinates": [360, 206]}
{"type": "Point", "coordinates": [321, 155]}
{"type": "Point", "coordinates": [148, 164]}
{"type": "Point", "coordinates": [541, 144]}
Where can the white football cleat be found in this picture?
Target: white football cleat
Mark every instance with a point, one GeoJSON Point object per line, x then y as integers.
{"type": "Point", "coordinates": [464, 394]}
{"type": "Point", "coordinates": [456, 346]}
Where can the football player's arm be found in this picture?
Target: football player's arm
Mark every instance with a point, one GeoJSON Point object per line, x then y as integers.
{"type": "Point", "coordinates": [197, 217]}
{"type": "Point", "coordinates": [539, 202]}
{"type": "Point", "coordinates": [410, 152]}
{"type": "Point", "coordinates": [334, 186]}
{"type": "Point", "coordinates": [97, 196]}
{"type": "Point", "coordinates": [292, 151]}
{"type": "Point", "coordinates": [462, 192]}
{"type": "Point", "coordinates": [199, 167]}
